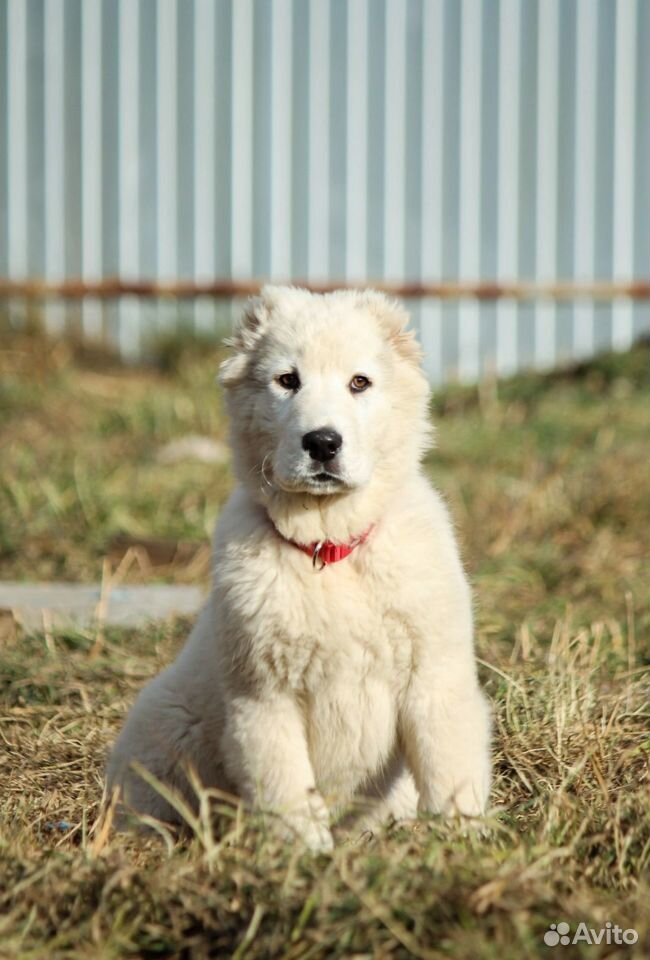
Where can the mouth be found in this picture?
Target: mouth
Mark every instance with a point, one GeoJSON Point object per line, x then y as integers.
{"type": "Point", "coordinates": [325, 477]}
{"type": "Point", "coordinates": [323, 482]}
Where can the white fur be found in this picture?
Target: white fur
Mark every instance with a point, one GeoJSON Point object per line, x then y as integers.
{"type": "Point", "coordinates": [300, 689]}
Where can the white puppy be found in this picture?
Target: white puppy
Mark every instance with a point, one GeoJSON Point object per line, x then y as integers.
{"type": "Point", "coordinates": [334, 659]}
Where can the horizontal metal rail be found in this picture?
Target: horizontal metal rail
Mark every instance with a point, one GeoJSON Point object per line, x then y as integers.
{"type": "Point", "coordinates": [113, 288]}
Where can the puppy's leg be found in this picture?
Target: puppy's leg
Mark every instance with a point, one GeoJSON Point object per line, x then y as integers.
{"type": "Point", "coordinates": [390, 796]}
{"type": "Point", "coordinates": [401, 798]}
{"type": "Point", "coordinates": [265, 752]}
{"type": "Point", "coordinates": [445, 731]}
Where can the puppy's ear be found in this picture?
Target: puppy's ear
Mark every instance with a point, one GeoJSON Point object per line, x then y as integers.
{"type": "Point", "coordinates": [248, 330]}
{"type": "Point", "coordinates": [394, 320]}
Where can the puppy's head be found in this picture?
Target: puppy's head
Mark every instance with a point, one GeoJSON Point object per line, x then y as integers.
{"type": "Point", "coordinates": [324, 392]}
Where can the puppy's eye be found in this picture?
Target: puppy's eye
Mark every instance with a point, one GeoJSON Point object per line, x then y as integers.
{"type": "Point", "coordinates": [290, 381]}
{"type": "Point", "coordinates": [359, 383]}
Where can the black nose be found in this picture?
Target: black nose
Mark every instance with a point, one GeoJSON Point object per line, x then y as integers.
{"type": "Point", "coordinates": [323, 445]}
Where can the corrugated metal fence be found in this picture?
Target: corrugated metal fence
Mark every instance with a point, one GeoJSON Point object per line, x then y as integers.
{"type": "Point", "coordinates": [345, 139]}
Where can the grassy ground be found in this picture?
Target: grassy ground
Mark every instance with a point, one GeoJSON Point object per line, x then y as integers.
{"type": "Point", "coordinates": [548, 480]}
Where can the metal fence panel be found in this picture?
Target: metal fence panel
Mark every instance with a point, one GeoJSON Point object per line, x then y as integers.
{"type": "Point", "coordinates": [392, 139]}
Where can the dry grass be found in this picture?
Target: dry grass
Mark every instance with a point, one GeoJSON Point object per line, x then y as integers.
{"type": "Point", "coordinates": [548, 479]}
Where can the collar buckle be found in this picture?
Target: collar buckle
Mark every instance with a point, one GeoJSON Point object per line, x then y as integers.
{"type": "Point", "coordinates": [316, 555]}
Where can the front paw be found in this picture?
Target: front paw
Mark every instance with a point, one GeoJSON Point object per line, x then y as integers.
{"type": "Point", "coordinates": [463, 798]}
{"type": "Point", "coordinates": [310, 825]}
{"type": "Point", "coordinates": [313, 833]}
{"type": "Point", "coordinates": [316, 836]}
{"type": "Point", "coordinates": [466, 801]}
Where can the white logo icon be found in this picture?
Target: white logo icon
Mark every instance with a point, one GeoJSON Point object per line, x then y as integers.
{"type": "Point", "coordinates": [557, 933]}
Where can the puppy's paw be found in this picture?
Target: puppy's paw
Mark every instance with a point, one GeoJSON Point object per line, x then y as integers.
{"type": "Point", "coordinates": [464, 804]}
{"type": "Point", "coordinates": [317, 837]}
{"type": "Point", "coordinates": [475, 828]}
{"type": "Point", "coordinates": [314, 834]}
{"type": "Point", "coordinates": [466, 799]}
{"type": "Point", "coordinates": [309, 824]}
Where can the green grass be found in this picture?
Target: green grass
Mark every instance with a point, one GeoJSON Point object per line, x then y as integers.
{"type": "Point", "coordinates": [78, 449]}
{"type": "Point", "coordinates": [549, 483]}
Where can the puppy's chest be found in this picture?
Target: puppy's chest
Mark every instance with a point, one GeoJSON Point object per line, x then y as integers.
{"type": "Point", "coordinates": [326, 635]}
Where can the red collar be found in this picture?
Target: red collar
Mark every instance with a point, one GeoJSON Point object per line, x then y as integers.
{"type": "Point", "coordinates": [326, 551]}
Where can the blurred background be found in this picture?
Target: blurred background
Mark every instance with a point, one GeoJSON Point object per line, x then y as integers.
{"type": "Point", "coordinates": [418, 142]}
